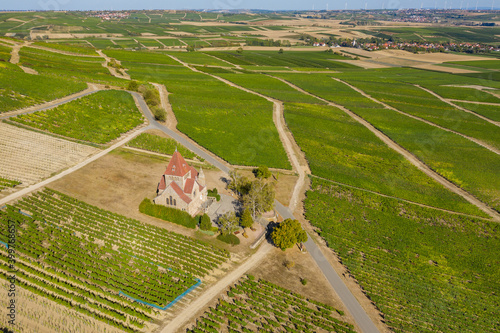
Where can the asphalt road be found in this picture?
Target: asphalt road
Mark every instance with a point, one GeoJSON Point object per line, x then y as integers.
{"type": "Point", "coordinates": [352, 305]}
{"type": "Point", "coordinates": [350, 302]}
{"type": "Point", "coordinates": [153, 124]}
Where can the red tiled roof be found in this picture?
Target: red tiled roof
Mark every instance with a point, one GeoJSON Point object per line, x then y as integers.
{"type": "Point", "coordinates": [188, 186]}
{"type": "Point", "coordinates": [179, 192]}
{"type": "Point", "coordinates": [162, 185]}
{"type": "Point", "coordinates": [201, 187]}
{"type": "Point", "coordinates": [194, 173]}
{"type": "Point", "coordinates": [177, 166]}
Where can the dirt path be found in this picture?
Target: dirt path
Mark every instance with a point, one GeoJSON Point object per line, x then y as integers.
{"type": "Point", "coordinates": [473, 102]}
{"type": "Point", "coordinates": [227, 62]}
{"type": "Point", "coordinates": [215, 290]}
{"type": "Point", "coordinates": [14, 54]}
{"type": "Point", "coordinates": [171, 119]}
{"type": "Point", "coordinates": [387, 106]}
{"type": "Point", "coordinates": [113, 70]}
{"type": "Point", "coordinates": [409, 156]}
{"type": "Point", "coordinates": [285, 136]}
{"type": "Point", "coordinates": [28, 70]}
{"type": "Point", "coordinates": [158, 41]}
{"type": "Point", "coordinates": [448, 101]}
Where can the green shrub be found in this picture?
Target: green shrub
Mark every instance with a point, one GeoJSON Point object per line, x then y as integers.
{"type": "Point", "coordinates": [262, 172]}
{"type": "Point", "coordinates": [205, 223]}
{"type": "Point", "coordinates": [159, 113]}
{"type": "Point", "coordinates": [229, 238]}
{"type": "Point", "coordinates": [168, 214]}
{"type": "Point", "coordinates": [214, 193]}
{"type": "Point", "coordinates": [133, 85]}
{"type": "Point", "coordinates": [303, 281]}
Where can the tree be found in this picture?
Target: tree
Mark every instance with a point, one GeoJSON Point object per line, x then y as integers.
{"type": "Point", "coordinates": [280, 51]}
{"type": "Point", "coordinates": [133, 85]}
{"type": "Point", "coordinates": [239, 50]}
{"type": "Point", "coordinates": [159, 113]}
{"type": "Point", "coordinates": [260, 197]}
{"type": "Point", "coordinates": [239, 184]}
{"type": "Point", "coordinates": [228, 223]}
{"type": "Point", "coordinates": [288, 233]}
{"type": "Point", "coordinates": [262, 172]}
{"type": "Point", "coordinates": [246, 219]}
{"type": "Point", "coordinates": [205, 223]}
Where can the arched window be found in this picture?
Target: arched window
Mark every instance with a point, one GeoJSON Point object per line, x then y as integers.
{"type": "Point", "coordinates": [170, 203]}
{"type": "Point", "coordinates": [175, 202]}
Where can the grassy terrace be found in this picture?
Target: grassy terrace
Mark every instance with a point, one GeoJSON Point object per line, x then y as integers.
{"type": "Point", "coordinates": [339, 148]}
{"type": "Point", "coordinates": [233, 124]}
{"type": "Point", "coordinates": [97, 118]}
{"type": "Point", "coordinates": [429, 144]}
{"type": "Point", "coordinates": [19, 90]}
{"type": "Point", "coordinates": [291, 59]}
{"type": "Point", "coordinates": [88, 69]}
{"type": "Point", "coordinates": [426, 270]}
{"type": "Point", "coordinates": [159, 144]}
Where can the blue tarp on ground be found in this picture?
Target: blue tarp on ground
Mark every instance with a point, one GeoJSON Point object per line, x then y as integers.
{"type": "Point", "coordinates": [6, 245]}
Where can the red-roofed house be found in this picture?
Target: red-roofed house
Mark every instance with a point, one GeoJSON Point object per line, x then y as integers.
{"type": "Point", "coordinates": [181, 186]}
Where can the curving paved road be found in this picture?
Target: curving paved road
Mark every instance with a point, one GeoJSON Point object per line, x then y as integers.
{"type": "Point", "coordinates": [352, 305]}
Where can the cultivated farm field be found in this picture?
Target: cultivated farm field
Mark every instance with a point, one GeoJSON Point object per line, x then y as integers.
{"type": "Point", "coordinates": [159, 144]}
{"type": "Point", "coordinates": [100, 261]}
{"type": "Point", "coordinates": [98, 118]}
{"type": "Point", "coordinates": [340, 149]}
{"type": "Point", "coordinates": [260, 306]}
{"type": "Point", "coordinates": [428, 143]}
{"type": "Point", "coordinates": [28, 157]}
{"type": "Point", "coordinates": [390, 163]}
{"type": "Point", "coordinates": [417, 264]}
{"type": "Point", "coordinates": [235, 125]}
{"type": "Point", "coordinates": [19, 90]}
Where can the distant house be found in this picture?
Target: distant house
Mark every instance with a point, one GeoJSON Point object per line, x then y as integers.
{"type": "Point", "coordinates": [181, 186]}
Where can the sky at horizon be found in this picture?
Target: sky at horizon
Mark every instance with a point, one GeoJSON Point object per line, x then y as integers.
{"type": "Point", "coordinates": [243, 4]}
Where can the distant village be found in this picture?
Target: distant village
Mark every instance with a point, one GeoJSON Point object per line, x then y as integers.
{"type": "Point", "coordinates": [110, 15]}
{"type": "Point", "coordinates": [411, 46]}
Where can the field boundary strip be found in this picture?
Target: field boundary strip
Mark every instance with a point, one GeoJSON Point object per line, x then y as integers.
{"type": "Point", "coordinates": [169, 305]}
{"type": "Point", "coordinates": [449, 102]}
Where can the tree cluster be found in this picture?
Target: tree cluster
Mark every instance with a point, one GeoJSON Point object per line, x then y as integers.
{"type": "Point", "coordinates": [288, 233]}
